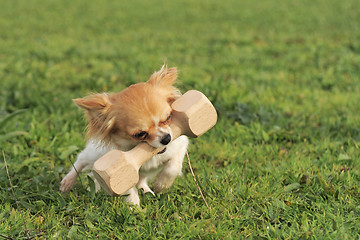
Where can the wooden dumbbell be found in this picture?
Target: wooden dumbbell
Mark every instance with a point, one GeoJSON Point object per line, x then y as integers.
{"type": "Point", "coordinates": [117, 171]}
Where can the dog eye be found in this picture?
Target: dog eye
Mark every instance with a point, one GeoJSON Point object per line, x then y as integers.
{"type": "Point", "coordinates": [167, 120]}
{"type": "Point", "coordinates": [141, 135]}
{"type": "Point", "coordinates": [169, 117]}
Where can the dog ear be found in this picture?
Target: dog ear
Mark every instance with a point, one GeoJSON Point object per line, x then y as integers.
{"type": "Point", "coordinates": [96, 103]}
{"type": "Point", "coordinates": [165, 77]}
{"type": "Point", "coordinates": [97, 108]}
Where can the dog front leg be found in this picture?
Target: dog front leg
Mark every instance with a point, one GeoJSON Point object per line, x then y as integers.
{"type": "Point", "coordinates": [167, 176]}
{"type": "Point", "coordinates": [86, 158]}
{"type": "Point", "coordinates": [69, 180]}
{"type": "Point", "coordinates": [133, 196]}
{"type": "Point", "coordinates": [173, 167]}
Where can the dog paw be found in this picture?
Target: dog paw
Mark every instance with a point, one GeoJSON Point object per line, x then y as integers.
{"type": "Point", "coordinates": [134, 200]}
{"type": "Point", "coordinates": [148, 190]}
{"type": "Point", "coordinates": [67, 183]}
{"type": "Point", "coordinates": [161, 186]}
{"type": "Point", "coordinates": [145, 188]}
{"type": "Point", "coordinates": [158, 188]}
{"type": "Point", "coordinates": [142, 184]}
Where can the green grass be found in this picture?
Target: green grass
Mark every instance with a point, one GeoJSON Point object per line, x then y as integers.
{"type": "Point", "coordinates": [281, 163]}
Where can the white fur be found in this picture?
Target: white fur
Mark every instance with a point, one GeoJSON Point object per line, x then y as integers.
{"type": "Point", "coordinates": [166, 167]}
{"type": "Point", "coordinates": [106, 112]}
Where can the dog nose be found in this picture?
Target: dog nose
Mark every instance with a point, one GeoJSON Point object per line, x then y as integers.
{"type": "Point", "coordinates": [166, 139]}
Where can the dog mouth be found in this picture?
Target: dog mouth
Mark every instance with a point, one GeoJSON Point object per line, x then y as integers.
{"type": "Point", "coordinates": [162, 151]}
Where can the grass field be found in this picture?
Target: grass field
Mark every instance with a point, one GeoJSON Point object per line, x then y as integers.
{"type": "Point", "coordinates": [283, 161]}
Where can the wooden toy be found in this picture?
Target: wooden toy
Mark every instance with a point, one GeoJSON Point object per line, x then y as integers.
{"type": "Point", "coordinates": [117, 171]}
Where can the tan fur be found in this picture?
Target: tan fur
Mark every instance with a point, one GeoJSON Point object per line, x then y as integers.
{"type": "Point", "coordinates": [139, 113]}
{"type": "Point", "coordinates": [132, 109]}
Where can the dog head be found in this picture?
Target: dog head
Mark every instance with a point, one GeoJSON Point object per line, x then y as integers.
{"type": "Point", "coordinates": [139, 113]}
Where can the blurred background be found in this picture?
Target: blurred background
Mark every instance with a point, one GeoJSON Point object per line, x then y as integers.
{"type": "Point", "coordinates": [283, 75]}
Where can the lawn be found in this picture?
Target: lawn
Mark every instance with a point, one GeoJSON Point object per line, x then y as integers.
{"type": "Point", "coordinates": [283, 161]}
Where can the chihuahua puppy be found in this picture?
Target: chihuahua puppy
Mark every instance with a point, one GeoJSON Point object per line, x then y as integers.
{"type": "Point", "coordinates": [139, 113]}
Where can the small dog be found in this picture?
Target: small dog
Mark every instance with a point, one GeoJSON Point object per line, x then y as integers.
{"type": "Point", "coordinates": [139, 113]}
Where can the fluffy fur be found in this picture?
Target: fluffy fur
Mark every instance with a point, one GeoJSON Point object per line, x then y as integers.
{"type": "Point", "coordinates": [139, 113]}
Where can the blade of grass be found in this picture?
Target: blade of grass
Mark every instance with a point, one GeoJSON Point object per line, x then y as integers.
{"type": "Point", "coordinates": [10, 116]}
{"type": "Point", "coordinates": [13, 193]}
{"type": "Point", "coordinates": [192, 173]}
{"type": "Point", "coordinates": [13, 134]}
